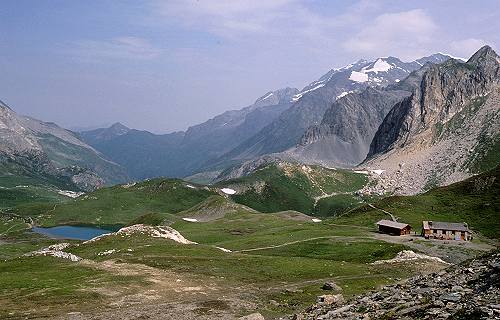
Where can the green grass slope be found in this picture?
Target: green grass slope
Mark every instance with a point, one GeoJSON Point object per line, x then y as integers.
{"type": "Point", "coordinates": [20, 184]}
{"type": "Point", "coordinates": [308, 189]}
{"type": "Point", "coordinates": [475, 201]}
{"type": "Point", "coordinates": [119, 205]}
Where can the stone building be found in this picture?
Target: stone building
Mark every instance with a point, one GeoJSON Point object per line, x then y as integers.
{"type": "Point", "coordinates": [446, 230]}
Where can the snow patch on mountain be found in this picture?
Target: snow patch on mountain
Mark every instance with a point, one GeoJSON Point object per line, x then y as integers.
{"type": "Point", "coordinates": [299, 95]}
{"type": "Point", "coordinates": [379, 66]}
{"type": "Point", "coordinates": [228, 191]}
{"type": "Point", "coordinates": [358, 76]}
{"type": "Point", "coordinates": [267, 96]}
{"type": "Point", "coordinates": [343, 94]}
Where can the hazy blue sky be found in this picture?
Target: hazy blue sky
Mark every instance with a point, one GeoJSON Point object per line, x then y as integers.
{"type": "Point", "coordinates": [165, 65]}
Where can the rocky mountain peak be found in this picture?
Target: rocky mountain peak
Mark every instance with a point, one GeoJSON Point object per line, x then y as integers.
{"type": "Point", "coordinates": [280, 96]}
{"type": "Point", "coordinates": [119, 128]}
{"type": "Point", "coordinates": [3, 105]}
{"type": "Point", "coordinates": [485, 56]}
{"type": "Point", "coordinates": [444, 130]}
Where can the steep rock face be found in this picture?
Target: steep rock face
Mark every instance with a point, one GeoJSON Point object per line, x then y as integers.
{"type": "Point", "coordinates": [445, 131]}
{"type": "Point", "coordinates": [348, 126]}
{"type": "Point", "coordinates": [311, 103]}
{"type": "Point", "coordinates": [30, 145]}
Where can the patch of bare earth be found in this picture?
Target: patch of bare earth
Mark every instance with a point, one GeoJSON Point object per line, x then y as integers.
{"type": "Point", "coordinates": [162, 294]}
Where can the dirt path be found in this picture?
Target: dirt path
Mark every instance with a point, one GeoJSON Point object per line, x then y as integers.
{"type": "Point", "coordinates": [294, 242]}
{"type": "Point", "coordinates": [384, 211]}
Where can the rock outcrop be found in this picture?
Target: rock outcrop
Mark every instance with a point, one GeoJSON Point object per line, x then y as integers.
{"type": "Point", "coordinates": [348, 126]}
{"type": "Point", "coordinates": [447, 130]}
{"type": "Point", "coordinates": [467, 291]}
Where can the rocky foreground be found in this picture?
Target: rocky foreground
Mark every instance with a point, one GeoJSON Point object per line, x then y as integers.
{"type": "Point", "coordinates": [466, 291]}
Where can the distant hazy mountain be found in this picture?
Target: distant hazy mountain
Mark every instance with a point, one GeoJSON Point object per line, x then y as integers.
{"type": "Point", "coordinates": [100, 135]}
{"type": "Point", "coordinates": [447, 130]}
{"type": "Point", "coordinates": [277, 121]}
{"type": "Point", "coordinates": [32, 147]}
{"type": "Point", "coordinates": [180, 154]}
{"type": "Point", "coordinates": [310, 104]}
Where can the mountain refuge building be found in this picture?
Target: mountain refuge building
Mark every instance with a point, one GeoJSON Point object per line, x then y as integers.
{"type": "Point", "coordinates": [393, 227]}
{"type": "Point", "coordinates": [446, 230]}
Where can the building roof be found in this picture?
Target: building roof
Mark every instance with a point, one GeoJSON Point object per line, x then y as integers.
{"type": "Point", "coordinates": [392, 224]}
{"type": "Point", "coordinates": [454, 226]}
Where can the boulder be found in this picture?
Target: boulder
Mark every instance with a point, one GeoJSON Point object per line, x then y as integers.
{"type": "Point", "coordinates": [253, 316]}
{"type": "Point", "coordinates": [331, 286]}
{"type": "Point", "coordinates": [331, 299]}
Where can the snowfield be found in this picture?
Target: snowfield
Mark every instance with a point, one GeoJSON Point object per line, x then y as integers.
{"type": "Point", "coordinates": [299, 95]}
{"type": "Point", "coordinates": [343, 94]}
{"type": "Point", "coordinates": [358, 76]}
{"type": "Point", "coordinates": [379, 66]}
{"type": "Point", "coordinates": [228, 191]}
{"type": "Point", "coordinates": [71, 194]}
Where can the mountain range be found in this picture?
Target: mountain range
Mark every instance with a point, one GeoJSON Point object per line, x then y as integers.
{"type": "Point", "coordinates": [277, 121]}
{"type": "Point", "coordinates": [428, 122]}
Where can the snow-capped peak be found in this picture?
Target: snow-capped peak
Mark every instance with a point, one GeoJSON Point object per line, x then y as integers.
{"type": "Point", "coordinates": [453, 57]}
{"type": "Point", "coordinates": [379, 66]}
{"type": "Point", "coordinates": [266, 96]}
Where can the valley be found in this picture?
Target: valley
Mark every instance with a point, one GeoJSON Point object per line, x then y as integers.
{"type": "Point", "coordinates": [262, 212]}
{"type": "Point", "coordinates": [244, 261]}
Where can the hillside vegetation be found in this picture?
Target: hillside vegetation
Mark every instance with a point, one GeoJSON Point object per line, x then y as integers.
{"type": "Point", "coordinates": [474, 201]}
{"type": "Point", "coordinates": [308, 189]}
{"type": "Point", "coordinates": [119, 205]}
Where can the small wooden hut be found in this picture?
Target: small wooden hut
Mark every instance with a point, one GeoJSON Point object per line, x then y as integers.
{"type": "Point", "coordinates": [393, 227]}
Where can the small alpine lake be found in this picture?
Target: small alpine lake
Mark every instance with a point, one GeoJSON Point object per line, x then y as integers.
{"type": "Point", "coordinates": [71, 232]}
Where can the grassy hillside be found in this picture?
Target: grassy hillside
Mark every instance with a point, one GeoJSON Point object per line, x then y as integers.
{"type": "Point", "coordinates": [66, 155]}
{"type": "Point", "coordinates": [278, 260]}
{"type": "Point", "coordinates": [283, 257]}
{"type": "Point", "coordinates": [308, 189]}
{"type": "Point", "coordinates": [20, 184]}
{"type": "Point", "coordinates": [475, 201]}
{"type": "Point", "coordinates": [121, 204]}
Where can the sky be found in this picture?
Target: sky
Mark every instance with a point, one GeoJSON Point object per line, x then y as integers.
{"type": "Point", "coordinates": [165, 65]}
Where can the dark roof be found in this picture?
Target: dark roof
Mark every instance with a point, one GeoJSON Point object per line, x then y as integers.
{"type": "Point", "coordinates": [453, 226]}
{"type": "Point", "coordinates": [392, 224]}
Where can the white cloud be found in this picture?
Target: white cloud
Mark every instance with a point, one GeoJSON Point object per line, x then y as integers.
{"type": "Point", "coordinates": [236, 18]}
{"type": "Point", "coordinates": [117, 48]}
{"type": "Point", "coordinates": [223, 17]}
{"type": "Point", "coordinates": [405, 34]}
{"type": "Point", "coordinates": [467, 47]}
